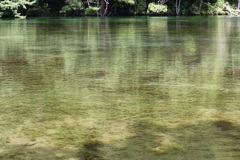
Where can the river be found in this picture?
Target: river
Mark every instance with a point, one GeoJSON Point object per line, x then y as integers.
{"type": "Point", "coordinates": [136, 88]}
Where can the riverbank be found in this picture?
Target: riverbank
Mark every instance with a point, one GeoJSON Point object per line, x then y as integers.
{"type": "Point", "coordinates": [114, 8]}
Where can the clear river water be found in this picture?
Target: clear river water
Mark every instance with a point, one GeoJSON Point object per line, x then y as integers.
{"type": "Point", "coordinates": [136, 88]}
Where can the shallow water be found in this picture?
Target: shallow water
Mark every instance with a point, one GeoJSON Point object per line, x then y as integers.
{"type": "Point", "coordinates": [120, 88]}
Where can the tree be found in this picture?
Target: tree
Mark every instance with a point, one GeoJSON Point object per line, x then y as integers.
{"type": "Point", "coordinates": [162, 1]}
{"type": "Point", "coordinates": [156, 9]}
{"type": "Point", "coordinates": [178, 4]}
{"type": "Point", "coordinates": [72, 8]}
{"type": "Point", "coordinates": [103, 8]}
{"type": "Point", "coordinates": [10, 8]}
{"type": "Point", "coordinates": [140, 6]}
{"type": "Point", "coordinates": [200, 6]}
{"type": "Point", "coordinates": [55, 5]}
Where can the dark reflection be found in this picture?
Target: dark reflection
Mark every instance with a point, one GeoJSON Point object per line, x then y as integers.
{"type": "Point", "coordinates": [200, 141]}
{"type": "Point", "coordinates": [224, 125]}
{"type": "Point", "coordinates": [32, 77]}
{"type": "Point", "coordinates": [91, 149]}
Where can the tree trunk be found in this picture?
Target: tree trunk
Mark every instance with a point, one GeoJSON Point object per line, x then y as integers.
{"type": "Point", "coordinates": [103, 8]}
{"type": "Point", "coordinates": [200, 6]}
{"type": "Point", "coordinates": [162, 1]}
{"type": "Point", "coordinates": [178, 4]}
{"type": "Point", "coordinates": [88, 3]}
{"type": "Point", "coordinates": [238, 4]}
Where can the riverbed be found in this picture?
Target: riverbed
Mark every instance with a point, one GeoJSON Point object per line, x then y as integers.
{"type": "Point", "coordinates": [136, 88]}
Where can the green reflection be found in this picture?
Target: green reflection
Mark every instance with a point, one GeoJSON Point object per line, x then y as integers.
{"type": "Point", "coordinates": [120, 88]}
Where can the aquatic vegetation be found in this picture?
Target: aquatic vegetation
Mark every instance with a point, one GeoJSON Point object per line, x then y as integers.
{"type": "Point", "coordinates": [91, 149]}
{"type": "Point", "coordinates": [125, 88]}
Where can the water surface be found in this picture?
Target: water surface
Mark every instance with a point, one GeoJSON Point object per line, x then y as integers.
{"type": "Point", "coordinates": [120, 88]}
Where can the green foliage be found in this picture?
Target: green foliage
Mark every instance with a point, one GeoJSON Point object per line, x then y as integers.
{"type": "Point", "coordinates": [38, 11]}
{"type": "Point", "coordinates": [140, 6]}
{"type": "Point", "coordinates": [10, 8]}
{"type": "Point", "coordinates": [8, 13]}
{"type": "Point", "coordinates": [92, 11]}
{"type": "Point", "coordinates": [185, 7]}
{"type": "Point", "coordinates": [213, 8]}
{"type": "Point", "coordinates": [157, 9]}
{"type": "Point", "coordinates": [131, 2]}
{"type": "Point", "coordinates": [123, 8]}
{"type": "Point", "coordinates": [218, 7]}
{"type": "Point", "coordinates": [72, 8]}
{"type": "Point", "coordinates": [8, 4]}
{"type": "Point", "coordinates": [220, 3]}
{"type": "Point", "coordinates": [207, 9]}
{"type": "Point", "coordinates": [194, 9]}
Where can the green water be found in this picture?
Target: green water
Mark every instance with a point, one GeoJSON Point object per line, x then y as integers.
{"type": "Point", "coordinates": [120, 88]}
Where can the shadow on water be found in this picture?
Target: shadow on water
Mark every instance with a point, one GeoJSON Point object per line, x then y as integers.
{"type": "Point", "coordinates": [91, 149]}
{"type": "Point", "coordinates": [218, 139]}
{"type": "Point", "coordinates": [207, 140]}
